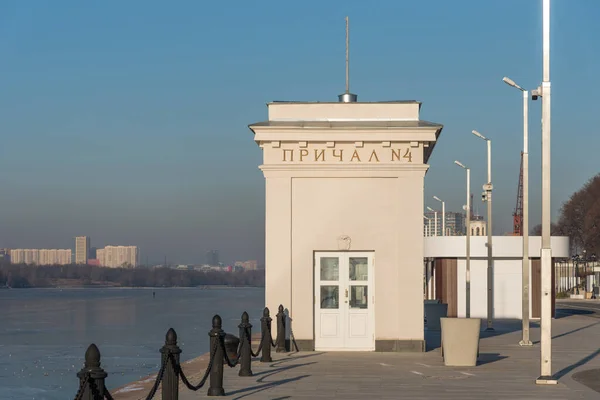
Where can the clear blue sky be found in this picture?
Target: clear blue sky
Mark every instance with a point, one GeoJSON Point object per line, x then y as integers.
{"type": "Point", "coordinates": [116, 116]}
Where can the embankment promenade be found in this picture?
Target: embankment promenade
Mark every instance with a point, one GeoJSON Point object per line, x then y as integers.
{"type": "Point", "coordinates": [505, 370]}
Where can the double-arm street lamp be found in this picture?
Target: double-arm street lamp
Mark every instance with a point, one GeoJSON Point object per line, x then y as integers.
{"type": "Point", "coordinates": [488, 197]}
{"type": "Point", "coordinates": [443, 214]}
{"type": "Point", "coordinates": [468, 240]}
{"type": "Point", "coordinates": [525, 341]}
{"type": "Point", "coordinates": [435, 220]}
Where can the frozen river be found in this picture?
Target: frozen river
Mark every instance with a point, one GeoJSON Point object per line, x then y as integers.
{"type": "Point", "coordinates": [44, 332]}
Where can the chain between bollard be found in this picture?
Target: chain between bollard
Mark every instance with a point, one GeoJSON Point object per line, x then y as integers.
{"type": "Point", "coordinates": [226, 356]}
{"type": "Point", "coordinates": [185, 380]}
{"type": "Point", "coordinates": [82, 385]}
{"type": "Point", "coordinates": [170, 359]}
{"type": "Point", "coordinates": [159, 378]}
{"type": "Point", "coordinates": [260, 346]}
{"type": "Point", "coordinates": [95, 391]}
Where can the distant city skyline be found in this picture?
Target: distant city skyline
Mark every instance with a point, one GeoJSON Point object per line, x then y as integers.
{"type": "Point", "coordinates": [134, 130]}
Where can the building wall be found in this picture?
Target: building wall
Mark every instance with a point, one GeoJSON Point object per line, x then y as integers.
{"type": "Point", "coordinates": [347, 169]}
{"type": "Point", "coordinates": [41, 256]}
{"type": "Point", "coordinates": [507, 271]}
{"type": "Point", "coordinates": [478, 228]}
{"type": "Point", "coordinates": [309, 213]}
{"type": "Point", "coordinates": [118, 256]}
{"type": "Point", "coordinates": [82, 249]}
{"type": "Point", "coordinates": [367, 216]}
{"type": "Point", "coordinates": [507, 288]}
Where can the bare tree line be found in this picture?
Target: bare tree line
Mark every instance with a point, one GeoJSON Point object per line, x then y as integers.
{"type": "Point", "coordinates": [23, 276]}
{"type": "Point", "coordinates": [580, 219]}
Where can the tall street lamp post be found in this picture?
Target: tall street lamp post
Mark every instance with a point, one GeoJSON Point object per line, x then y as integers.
{"type": "Point", "coordinates": [428, 227]}
{"type": "Point", "coordinates": [435, 219]}
{"type": "Point", "coordinates": [546, 250]}
{"type": "Point", "coordinates": [428, 267]}
{"type": "Point", "coordinates": [525, 341]}
{"type": "Point", "coordinates": [443, 214]}
{"type": "Point", "coordinates": [488, 197]}
{"type": "Point", "coordinates": [468, 240]}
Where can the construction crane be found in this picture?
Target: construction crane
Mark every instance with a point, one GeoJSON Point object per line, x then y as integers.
{"type": "Point", "coordinates": [518, 213]}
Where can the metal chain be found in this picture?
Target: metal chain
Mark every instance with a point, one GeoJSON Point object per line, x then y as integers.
{"type": "Point", "coordinates": [179, 371]}
{"type": "Point", "coordinates": [294, 340]}
{"type": "Point", "coordinates": [241, 345]}
{"type": "Point", "coordinates": [184, 379]}
{"type": "Point", "coordinates": [260, 346]}
{"type": "Point", "coordinates": [273, 343]}
{"type": "Point", "coordinates": [94, 389]}
{"type": "Point", "coordinates": [82, 385]}
{"type": "Point", "coordinates": [159, 378]}
{"type": "Point", "coordinates": [226, 356]}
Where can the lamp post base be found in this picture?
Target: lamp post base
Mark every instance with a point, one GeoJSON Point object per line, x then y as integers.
{"type": "Point", "coordinates": [523, 343]}
{"type": "Point", "coordinates": [490, 329]}
{"type": "Point", "coordinates": [546, 380]}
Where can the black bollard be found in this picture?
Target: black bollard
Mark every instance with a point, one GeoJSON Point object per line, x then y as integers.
{"type": "Point", "coordinates": [280, 331]}
{"type": "Point", "coordinates": [91, 375]}
{"type": "Point", "coordinates": [170, 381]}
{"type": "Point", "coordinates": [265, 327]}
{"type": "Point", "coordinates": [246, 350]}
{"type": "Point", "coordinates": [216, 354]}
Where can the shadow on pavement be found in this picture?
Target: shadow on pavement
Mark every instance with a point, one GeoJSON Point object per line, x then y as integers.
{"type": "Point", "coordinates": [588, 378]}
{"type": "Point", "coordinates": [570, 332]}
{"type": "Point", "coordinates": [259, 388]}
{"type": "Point", "coordinates": [488, 358]}
{"type": "Point", "coordinates": [293, 358]}
{"type": "Point", "coordinates": [270, 372]}
{"type": "Point", "coordinates": [433, 339]}
{"type": "Point", "coordinates": [567, 312]}
{"type": "Point", "coordinates": [579, 363]}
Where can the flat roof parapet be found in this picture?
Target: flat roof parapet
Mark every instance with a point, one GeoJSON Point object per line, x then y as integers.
{"type": "Point", "coordinates": [407, 110]}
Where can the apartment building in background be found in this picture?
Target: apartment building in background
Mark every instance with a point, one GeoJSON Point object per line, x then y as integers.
{"type": "Point", "coordinates": [4, 255]}
{"type": "Point", "coordinates": [212, 258]}
{"type": "Point", "coordinates": [455, 224]}
{"type": "Point", "coordinates": [82, 249]}
{"type": "Point", "coordinates": [118, 256]}
{"type": "Point", "coordinates": [41, 256]}
{"type": "Point", "coordinates": [249, 265]}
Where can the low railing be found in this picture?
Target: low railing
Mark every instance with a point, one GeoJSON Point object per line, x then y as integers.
{"type": "Point", "coordinates": [225, 349]}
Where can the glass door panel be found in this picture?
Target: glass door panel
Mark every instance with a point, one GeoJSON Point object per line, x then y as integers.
{"type": "Point", "coordinates": [330, 297]}
{"type": "Point", "coordinates": [358, 269]}
{"type": "Point", "coordinates": [359, 296]}
{"type": "Point", "coordinates": [330, 269]}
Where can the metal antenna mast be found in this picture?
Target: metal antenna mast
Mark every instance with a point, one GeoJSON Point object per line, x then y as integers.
{"type": "Point", "coordinates": [347, 58]}
{"type": "Point", "coordinates": [347, 97]}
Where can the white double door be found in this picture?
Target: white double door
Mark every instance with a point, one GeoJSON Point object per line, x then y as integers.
{"type": "Point", "coordinates": [344, 301]}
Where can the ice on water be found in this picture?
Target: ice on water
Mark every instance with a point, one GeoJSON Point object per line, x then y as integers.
{"type": "Point", "coordinates": [45, 332]}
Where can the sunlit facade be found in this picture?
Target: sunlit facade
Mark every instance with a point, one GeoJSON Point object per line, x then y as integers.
{"type": "Point", "coordinates": [40, 256]}
{"type": "Point", "coordinates": [118, 256]}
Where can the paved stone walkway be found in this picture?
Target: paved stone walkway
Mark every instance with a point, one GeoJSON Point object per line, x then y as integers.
{"type": "Point", "coordinates": [505, 370]}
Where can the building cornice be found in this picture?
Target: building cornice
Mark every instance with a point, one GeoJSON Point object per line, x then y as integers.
{"type": "Point", "coordinates": [352, 135]}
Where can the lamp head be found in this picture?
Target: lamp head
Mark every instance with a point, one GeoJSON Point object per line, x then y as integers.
{"type": "Point", "coordinates": [430, 209]}
{"type": "Point", "coordinates": [478, 134]}
{"type": "Point", "coordinates": [512, 83]}
{"type": "Point", "coordinates": [459, 164]}
{"type": "Point", "coordinates": [437, 198]}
